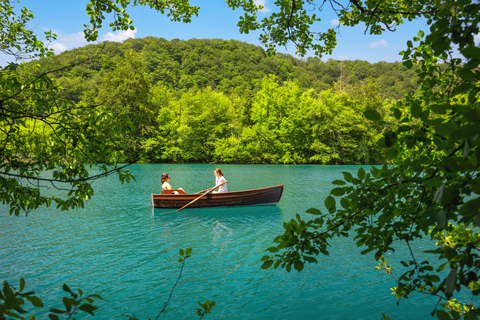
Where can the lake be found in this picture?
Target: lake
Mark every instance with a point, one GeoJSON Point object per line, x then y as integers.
{"type": "Point", "coordinates": [118, 246]}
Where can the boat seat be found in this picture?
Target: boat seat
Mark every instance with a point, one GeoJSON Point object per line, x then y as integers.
{"type": "Point", "coordinates": [172, 191]}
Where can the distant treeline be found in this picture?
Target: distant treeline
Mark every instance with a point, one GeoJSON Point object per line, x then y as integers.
{"type": "Point", "coordinates": [227, 101]}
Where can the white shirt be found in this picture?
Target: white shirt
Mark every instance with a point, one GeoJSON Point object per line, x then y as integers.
{"type": "Point", "coordinates": [222, 188]}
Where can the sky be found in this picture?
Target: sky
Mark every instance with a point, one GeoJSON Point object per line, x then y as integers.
{"type": "Point", "coordinates": [215, 21]}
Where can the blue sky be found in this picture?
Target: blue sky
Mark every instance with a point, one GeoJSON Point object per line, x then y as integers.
{"type": "Point", "coordinates": [216, 20]}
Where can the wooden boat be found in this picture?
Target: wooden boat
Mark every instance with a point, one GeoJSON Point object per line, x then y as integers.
{"type": "Point", "coordinates": [269, 196]}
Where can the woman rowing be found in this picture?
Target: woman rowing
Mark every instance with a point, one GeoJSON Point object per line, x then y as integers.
{"type": "Point", "coordinates": [219, 178]}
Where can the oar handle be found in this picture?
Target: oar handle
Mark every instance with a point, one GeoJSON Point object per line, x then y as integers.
{"type": "Point", "coordinates": [208, 191]}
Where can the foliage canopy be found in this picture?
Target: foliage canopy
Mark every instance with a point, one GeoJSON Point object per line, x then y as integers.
{"type": "Point", "coordinates": [430, 187]}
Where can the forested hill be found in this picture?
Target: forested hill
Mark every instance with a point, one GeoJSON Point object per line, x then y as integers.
{"type": "Point", "coordinates": [227, 65]}
{"type": "Point", "coordinates": [227, 101]}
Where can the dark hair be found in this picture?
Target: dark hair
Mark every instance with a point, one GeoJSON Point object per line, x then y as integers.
{"type": "Point", "coordinates": [219, 171]}
{"type": "Point", "coordinates": [165, 176]}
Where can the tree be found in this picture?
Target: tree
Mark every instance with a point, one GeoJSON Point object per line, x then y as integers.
{"type": "Point", "coordinates": [125, 90]}
{"type": "Point", "coordinates": [431, 186]}
{"type": "Point", "coordinates": [189, 127]}
{"type": "Point", "coordinates": [339, 131]}
{"type": "Point", "coordinates": [47, 141]}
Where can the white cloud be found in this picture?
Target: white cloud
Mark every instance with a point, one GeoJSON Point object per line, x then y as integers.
{"type": "Point", "coordinates": [58, 47]}
{"type": "Point", "coordinates": [68, 41]}
{"type": "Point", "coordinates": [378, 44]}
{"type": "Point", "coordinates": [334, 22]}
{"type": "Point", "coordinates": [119, 36]}
{"type": "Point", "coordinates": [76, 40]}
{"type": "Point", "coordinates": [262, 3]}
{"type": "Point", "coordinates": [343, 58]}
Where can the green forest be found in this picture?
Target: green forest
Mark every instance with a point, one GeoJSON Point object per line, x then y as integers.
{"type": "Point", "coordinates": [230, 102]}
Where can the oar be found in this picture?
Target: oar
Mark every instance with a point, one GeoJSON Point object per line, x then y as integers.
{"type": "Point", "coordinates": [205, 193]}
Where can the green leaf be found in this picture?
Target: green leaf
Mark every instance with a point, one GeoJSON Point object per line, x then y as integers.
{"type": "Point", "coordinates": [267, 264]}
{"type": "Point", "coordinates": [438, 109]}
{"type": "Point", "coordinates": [337, 192]}
{"type": "Point", "coordinates": [416, 111]}
{"type": "Point", "coordinates": [67, 289]}
{"type": "Point", "coordinates": [397, 113]}
{"type": "Point", "coordinates": [347, 176]}
{"type": "Point", "coordinates": [470, 52]}
{"type": "Point", "coordinates": [361, 173]}
{"type": "Point", "coordinates": [441, 219]}
{"type": "Point", "coordinates": [372, 115]}
{"type": "Point", "coordinates": [465, 74]}
{"type": "Point", "coordinates": [68, 303]}
{"type": "Point", "coordinates": [470, 207]}
{"type": "Point", "coordinates": [55, 310]}
{"type": "Point", "coordinates": [450, 282]}
{"type": "Point", "coordinates": [87, 308]}
{"type": "Point", "coordinates": [329, 202]}
{"type": "Point", "coordinates": [298, 265]}
{"type": "Point", "coordinates": [434, 182]}
{"type": "Point", "coordinates": [36, 301]}
{"type": "Point", "coordinates": [475, 185]}
{"type": "Point", "coordinates": [390, 138]}
{"type": "Point", "coordinates": [472, 314]}
{"type": "Point", "coordinates": [344, 203]}
{"type": "Point", "coordinates": [310, 259]}
{"type": "Point", "coordinates": [22, 284]}
{"type": "Point", "coordinates": [314, 211]}
{"type": "Point", "coordinates": [272, 249]}
{"type": "Point", "coordinates": [445, 129]}
{"type": "Point", "coordinates": [189, 251]}
{"type": "Point", "coordinates": [408, 64]}
{"type": "Point", "coordinates": [443, 315]}
{"type": "Point", "coordinates": [450, 164]}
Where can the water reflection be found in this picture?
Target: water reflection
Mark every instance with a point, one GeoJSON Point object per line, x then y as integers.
{"type": "Point", "coordinates": [238, 213]}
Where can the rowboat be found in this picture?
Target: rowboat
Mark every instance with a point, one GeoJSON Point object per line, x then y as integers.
{"type": "Point", "coordinates": [269, 196]}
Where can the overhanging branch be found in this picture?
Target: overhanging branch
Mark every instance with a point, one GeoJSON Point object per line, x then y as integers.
{"type": "Point", "coordinates": [104, 174]}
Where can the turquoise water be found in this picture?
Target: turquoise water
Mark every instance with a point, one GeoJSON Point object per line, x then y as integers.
{"type": "Point", "coordinates": [122, 249]}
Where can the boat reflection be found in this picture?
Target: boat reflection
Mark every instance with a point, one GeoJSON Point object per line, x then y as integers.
{"type": "Point", "coordinates": [245, 213]}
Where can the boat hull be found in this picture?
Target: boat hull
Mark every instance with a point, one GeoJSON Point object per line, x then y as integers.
{"type": "Point", "coordinates": [263, 196]}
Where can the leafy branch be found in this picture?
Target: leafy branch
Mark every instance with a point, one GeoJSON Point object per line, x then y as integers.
{"type": "Point", "coordinates": [13, 300]}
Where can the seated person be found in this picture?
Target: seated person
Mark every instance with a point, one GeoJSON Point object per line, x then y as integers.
{"type": "Point", "coordinates": [165, 185]}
